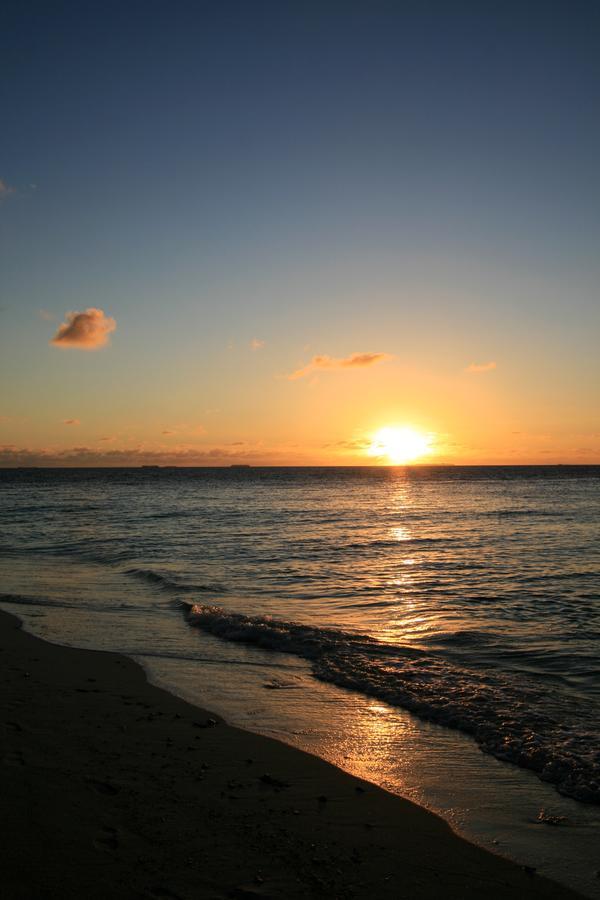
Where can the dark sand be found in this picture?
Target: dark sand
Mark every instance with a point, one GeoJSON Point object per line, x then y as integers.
{"type": "Point", "coordinates": [114, 788]}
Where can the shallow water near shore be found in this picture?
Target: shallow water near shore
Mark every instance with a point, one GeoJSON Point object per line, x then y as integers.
{"type": "Point", "coordinates": [469, 596]}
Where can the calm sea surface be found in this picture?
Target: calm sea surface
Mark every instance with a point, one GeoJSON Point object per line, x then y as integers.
{"type": "Point", "coordinates": [354, 612]}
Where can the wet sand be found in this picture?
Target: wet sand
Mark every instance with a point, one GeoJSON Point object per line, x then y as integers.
{"type": "Point", "coordinates": [113, 788]}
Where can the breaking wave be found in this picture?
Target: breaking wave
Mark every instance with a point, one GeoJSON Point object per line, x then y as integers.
{"type": "Point", "coordinates": [548, 731]}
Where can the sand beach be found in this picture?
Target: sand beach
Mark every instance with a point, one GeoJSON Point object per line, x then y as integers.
{"type": "Point", "coordinates": [114, 788]}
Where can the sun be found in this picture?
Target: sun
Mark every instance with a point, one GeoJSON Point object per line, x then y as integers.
{"type": "Point", "coordinates": [399, 445]}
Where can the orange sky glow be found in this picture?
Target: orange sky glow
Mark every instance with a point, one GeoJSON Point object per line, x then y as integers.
{"type": "Point", "coordinates": [367, 408]}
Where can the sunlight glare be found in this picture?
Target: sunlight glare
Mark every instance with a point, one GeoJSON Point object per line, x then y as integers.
{"type": "Point", "coordinates": [399, 445]}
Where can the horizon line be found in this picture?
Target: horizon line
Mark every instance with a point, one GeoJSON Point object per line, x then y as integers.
{"type": "Point", "coordinates": [245, 466]}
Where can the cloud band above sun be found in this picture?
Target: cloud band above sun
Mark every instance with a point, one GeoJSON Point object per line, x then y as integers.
{"type": "Point", "coordinates": [354, 361]}
{"type": "Point", "coordinates": [87, 330]}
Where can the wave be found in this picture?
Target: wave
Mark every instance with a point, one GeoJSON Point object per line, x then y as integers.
{"type": "Point", "coordinates": [170, 582]}
{"type": "Point", "coordinates": [527, 513]}
{"type": "Point", "coordinates": [174, 514]}
{"type": "Point", "coordinates": [509, 718]}
{"type": "Point", "coordinates": [46, 602]}
{"type": "Point", "coordinates": [22, 600]}
{"type": "Point", "coordinates": [58, 507]}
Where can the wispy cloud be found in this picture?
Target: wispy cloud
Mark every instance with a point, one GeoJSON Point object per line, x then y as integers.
{"type": "Point", "coordinates": [354, 361]}
{"type": "Point", "coordinates": [46, 316]}
{"type": "Point", "coordinates": [256, 344]}
{"type": "Point", "coordinates": [184, 429]}
{"type": "Point", "coordinates": [476, 368]}
{"type": "Point", "coordinates": [71, 422]}
{"type": "Point", "coordinates": [87, 330]}
{"type": "Point", "coordinates": [358, 444]}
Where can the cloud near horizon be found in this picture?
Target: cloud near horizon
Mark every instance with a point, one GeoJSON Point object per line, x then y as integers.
{"type": "Point", "coordinates": [474, 368]}
{"type": "Point", "coordinates": [11, 456]}
{"type": "Point", "coordinates": [71, 422]}
{"type": "Point", "coordinates": [87, 330]}
{"type": "Point", "coordinates": [354, 361]}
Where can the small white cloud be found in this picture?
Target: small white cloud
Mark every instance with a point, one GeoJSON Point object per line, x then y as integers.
{"type": "Point", "coordinates": [5, 190]}
{"type": "Point", "coordinates": [87, 330]}
{"type": "Point", "coordinates": [256, 344]}
{"type": "Point", "coordinates": [476, 368]}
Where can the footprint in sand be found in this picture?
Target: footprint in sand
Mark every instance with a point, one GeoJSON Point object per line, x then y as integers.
{"type": "Point", "coordinates": [13, 758]}
{"type": "Point", "coordinates": [103, 787]}
{"type": "Point", "coordinates": [107, 840]}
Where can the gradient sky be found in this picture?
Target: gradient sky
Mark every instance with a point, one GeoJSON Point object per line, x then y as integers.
{"type": "Point", "coordinates": [396, 203]}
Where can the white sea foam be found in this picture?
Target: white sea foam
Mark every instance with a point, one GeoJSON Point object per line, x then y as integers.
{"type": "Point", "coordinates": [547, 731]}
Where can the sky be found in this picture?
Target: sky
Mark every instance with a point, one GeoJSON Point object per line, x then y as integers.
{"type": "Point", "coordinates": [261, 232]}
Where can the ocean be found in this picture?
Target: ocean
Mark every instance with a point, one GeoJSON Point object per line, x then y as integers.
{"type": "Point", "coordinates": [433, 629]}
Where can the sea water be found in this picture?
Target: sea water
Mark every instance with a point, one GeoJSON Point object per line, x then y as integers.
{"type": "Point", "coordinates": [435, 630]}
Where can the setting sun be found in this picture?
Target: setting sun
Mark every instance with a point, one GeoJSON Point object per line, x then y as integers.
{"type": "Point", "coordinates": [399, 445]}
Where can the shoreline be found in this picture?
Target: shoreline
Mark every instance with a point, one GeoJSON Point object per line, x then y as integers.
{"type": "Point", "coordinates": [115, 787]}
